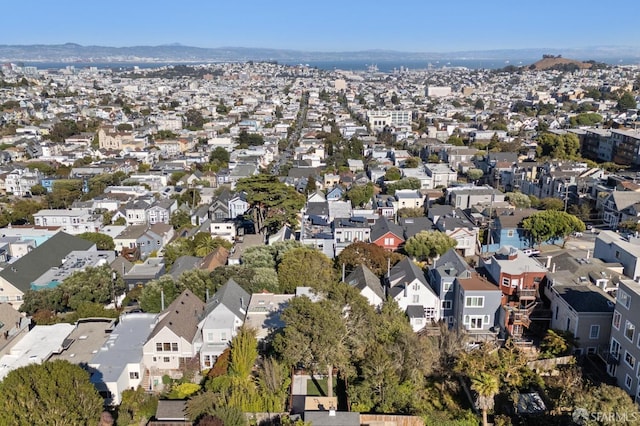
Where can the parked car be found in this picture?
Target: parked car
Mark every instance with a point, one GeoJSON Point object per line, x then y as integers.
{"type": "Point", "coordinates": [530, 252]}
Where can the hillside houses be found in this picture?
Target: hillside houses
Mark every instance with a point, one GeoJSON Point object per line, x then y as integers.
{"type": "Point", "coordinates": [148, 177]}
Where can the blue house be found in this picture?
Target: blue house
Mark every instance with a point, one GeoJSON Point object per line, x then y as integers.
{"type": "Point", "coordinates": [335, 194]}
{"type": "Point", "coordinates": [507, 231]}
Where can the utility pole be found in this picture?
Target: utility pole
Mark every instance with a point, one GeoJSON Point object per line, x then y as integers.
{"type": "Point", "coordinates": [114, 277]}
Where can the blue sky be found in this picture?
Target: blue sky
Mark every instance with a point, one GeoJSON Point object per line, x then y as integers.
{"type": "Point", "coordinates": [329, 25]}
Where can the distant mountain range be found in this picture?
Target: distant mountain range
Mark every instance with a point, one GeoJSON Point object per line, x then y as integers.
{"type": "Point", "coordinates": [71, 52]}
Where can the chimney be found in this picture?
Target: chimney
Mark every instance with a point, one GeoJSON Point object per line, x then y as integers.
{"type": "Point", "coordinates": [548, 265]}
{"type": "Point", "coordinates": [553, 269]}
{"type": "Point", "coordinates": [588, 254]}
{"type": "Point", "coordinates": [161, 300]}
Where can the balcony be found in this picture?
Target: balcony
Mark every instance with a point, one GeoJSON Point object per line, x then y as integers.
{"type": "Point", "coordinates": [519, 316]}
{"type": "Point", "coordinates": [528, 293]}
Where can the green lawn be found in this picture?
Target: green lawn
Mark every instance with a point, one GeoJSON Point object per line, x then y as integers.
{"type": "Point", "coordinates": [318, 386]}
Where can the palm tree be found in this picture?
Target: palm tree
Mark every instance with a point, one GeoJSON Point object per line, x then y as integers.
{"type": "Point", "coordinates": [486, 385]}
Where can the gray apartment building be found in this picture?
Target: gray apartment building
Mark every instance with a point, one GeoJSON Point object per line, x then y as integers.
{"type": "Point", "coordinates": [585, 310]}
{"type": "Point", "coordinates": [623, 357]}
{"type": "Point", "coordinates": [476, 307]}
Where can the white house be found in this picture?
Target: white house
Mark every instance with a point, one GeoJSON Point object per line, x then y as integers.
{"type": "Point", "coordinates": [118, 365]}
{"type": "Point", "coordinates": [409, 287]}
{"type": "Point", "coordinates": [223, 315]}
{"type": "Point", "coordinates": [172, 339]}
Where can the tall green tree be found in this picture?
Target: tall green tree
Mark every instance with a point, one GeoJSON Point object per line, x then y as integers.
{"type": "Point", "coordinates": [561, 147]}
{"type": "Point", "coordinates": [360, 195]}
{"type": "Point", "coordinates": [370, 255]}
{"type": "Point", "coordinates": [64, 193]}
{"type": "Point", "coordinates": [273, 203]}
{"type": "Point", "coordinates": [94, 285]}
{"type": "Point", "coordinates": [545, 225]}
{"type": "Point", "coordinates": [474, 174]}
{"type": "Point", "coordinates": [204, 243]}
{"type": "Point", "coordinates": [626, 101]}
{"type": "Point", "coordinates": [392, 174]}
{"type": "Point", "coordinates": [429, 244]}
{"type": "Point", "coordinates": [179, 219]}
{"type": "Point", "coordinates": [311, 186]}
{"type": "Point", "coordinates": [314, 335]}
{"type": "Point", "coordinates": [220, 154]}
{"type": "Point", "coordinates": [318, 271]}
{"type": "Point", "coordinates": [51, 393]}
{"type": "Point", "coordinates": [246, 139]}
{"type": "Point", "coordinates": [412, 162]}
{"type": "Point", "coordinates": [154, 291]}
{"type": "Point", "coordinates": [518, 199]}
{"type": "Point", "coordinates": [404, 183]}
{"type": "Point", "coordinates": [102, 241]}
{"type": "Point", "coordinates": [486, 386]}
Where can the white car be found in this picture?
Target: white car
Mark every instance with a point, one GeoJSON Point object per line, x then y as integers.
{"type": "Point", "coordinates": [530, 252]}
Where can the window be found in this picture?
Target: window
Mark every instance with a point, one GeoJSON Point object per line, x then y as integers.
{"type": "Point", "coordinates": [223, 336]}
{"type": "Point", "coordinates": [166, 359]}
{"type": "Point", "coordinates": [207, 360]}
{"type": "Point", "coordinates": [475, 323]}
{"type": "Point", "coordinates": [416, 298]}
{"type": "Point", "coordinates": [616, 320]}
{"type": "Point", "coordinates": [134, 375]}
{"type": "Point", "coordinates": [591, 350]}
{"type": "Point", "coordinates": [447, 287]}
{"type": "Point", "coordinates": [506, 282]}
{"type": "Point", "coordinates": [159, 347]}
{"type": "Point", "coordinates": [209, 337]}
{"type": "Point", "coordinates": [430, 313]}
{"type": "Point", "coordinates": [615, 348]}
{"type": "Point", "coordinates": [446, 304]}
{"type": "Point", "coordinates": [174, 347]}
{"type": "Point", "coordinates": [388, 241]}
{"type": "Point", "coordinates": [594, 332]}
{"type": "Point", "coordinates": [628, 381]}
{"type": "Point", "coordinates": [629, 359]}
{"type": "Point", "coordinates": [474, 302]}
{"type": "Point", "coordinates": [166, 347]}
{"type": "Point", "coordinates": [624, 299]}
{"type": "Point", "coordinates": [510, 233]}
{"type": "Point", "coordinates": [629, 330]}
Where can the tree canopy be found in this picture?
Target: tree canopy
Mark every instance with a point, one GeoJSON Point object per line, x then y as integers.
{"type": "Point", "coordinates": [318, 271]}
{"type": "Point", "coordinates": [102, 241]}
{"type": "Point", "coordinates": [273, 203]}
{"type": "Point", "coordinates": [518, 199]}
{"type": "Point", "coordinates": [370, 255]}
{"type": "Point", "coordinates": [314, 336]}
{"type": "Point", "coordinates": [429, 244]}
{"type": "Point", "coordinates": [404, 183]}
{"type": "Point", "coordinates": [545, 225]}
{"type": "Point", "coordinates": [54, 392]}
{"type": "Point", "coordinates": [626, 101]}
{"type": "Point", "coordinates": [561, 147]}
{"type": "Point", "coordinates": [359, 195]}
{"type": "Point", "coordinates": [392, 174]}
{"type": "Point", "coordinates": [92, 285]}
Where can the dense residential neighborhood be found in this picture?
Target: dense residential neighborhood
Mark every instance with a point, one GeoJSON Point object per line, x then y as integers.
{"type": "Point", "coordinates": [266, 243]}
